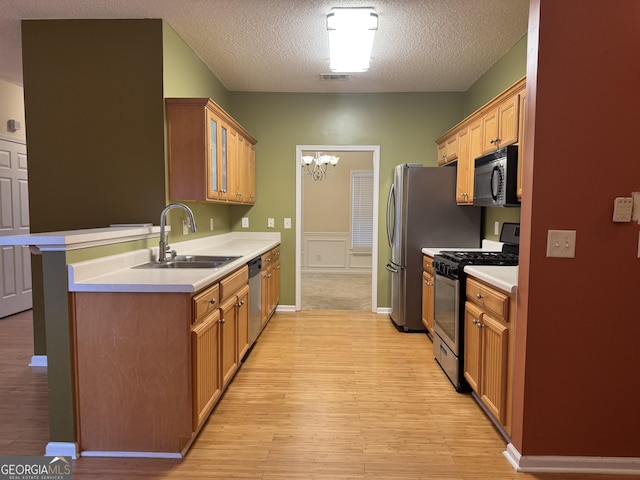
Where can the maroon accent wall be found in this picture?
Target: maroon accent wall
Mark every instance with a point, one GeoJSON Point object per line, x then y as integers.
{"type": "Point", "coordinates": [577, 366]}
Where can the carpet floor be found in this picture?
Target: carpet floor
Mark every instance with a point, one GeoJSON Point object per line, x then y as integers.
{"type": "Point", "coordinates": [336, 291]}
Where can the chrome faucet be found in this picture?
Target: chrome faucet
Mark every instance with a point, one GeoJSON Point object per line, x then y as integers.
{"type": "Point", "coordinates": [164, 247]}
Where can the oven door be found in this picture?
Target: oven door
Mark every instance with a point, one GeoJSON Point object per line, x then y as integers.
{"type": "Point", "coordinates": [446, 307]}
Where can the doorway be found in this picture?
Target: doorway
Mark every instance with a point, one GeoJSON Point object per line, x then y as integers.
{"type": "Point", "coordinates": [324, 253]}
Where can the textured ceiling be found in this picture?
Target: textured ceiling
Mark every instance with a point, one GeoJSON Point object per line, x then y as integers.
{"type": "Point", "coordinates": [282, 45]}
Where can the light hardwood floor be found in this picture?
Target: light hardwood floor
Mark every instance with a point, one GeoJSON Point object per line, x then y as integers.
{"type": "Point", "coordinates": [323, 395]}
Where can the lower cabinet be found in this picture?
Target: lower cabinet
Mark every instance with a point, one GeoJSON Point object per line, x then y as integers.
{"type": "Point", "coordinates": [488, 348]}
{"type": "Point", "coordinates": [150, 367]}
{"type": "Point", "coordinates": [428, 293]}
{"type": "Point", "coordinates": [205, 339]}
{"type": "Point", "coordinates": [270, 283]}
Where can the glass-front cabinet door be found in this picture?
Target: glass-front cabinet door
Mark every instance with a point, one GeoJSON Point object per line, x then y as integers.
{"type": "Point", "coordinates": [213, 191]}
{"type": "Point", "coordinates": [223, 166]}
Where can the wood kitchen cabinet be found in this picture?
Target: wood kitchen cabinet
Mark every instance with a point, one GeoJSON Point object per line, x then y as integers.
{"type": "Point", "coordinates": [495, 125]}
{"type": "Point", "coordinates": [428, 293]}
{"type": "Point", "coordinates": [522, 113]}
{"type": "Point", "coordinates": [270, 283]}
{"type": "Point", "coordinates": [150, 367]}
{"type": "Point", "coordinates": [205, 159]}
{"type": "Point", "coordinates": [488, 348]}
{"type": "Point", "coordinates": [500, 124]}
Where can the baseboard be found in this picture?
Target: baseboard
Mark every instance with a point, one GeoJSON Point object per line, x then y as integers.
{"type": "Point", "coordinates": [561, 464]}
{"type": "Point", "coordinates": [132, 454]}
{"type": "Point", "coordinates": [38, 361]}
{"type": "Point", "coordinates": [62, 449]}
{"type": "Point", "coordinates": [385, 310]}
{"type": "Point", "coordinates": [286, 308]}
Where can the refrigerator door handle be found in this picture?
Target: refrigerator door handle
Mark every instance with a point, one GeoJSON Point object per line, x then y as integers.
{"type": "Point", "coordinates": [390, 228]}
{"type": "Point", "coordinates": [389, 266]}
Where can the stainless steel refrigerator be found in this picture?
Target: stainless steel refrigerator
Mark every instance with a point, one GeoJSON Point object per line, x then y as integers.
{"type": "Point", "coordinates": [422, 212]}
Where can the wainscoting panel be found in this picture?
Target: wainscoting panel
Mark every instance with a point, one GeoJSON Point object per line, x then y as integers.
{"type": "Point", "coordinates": [323, 251]}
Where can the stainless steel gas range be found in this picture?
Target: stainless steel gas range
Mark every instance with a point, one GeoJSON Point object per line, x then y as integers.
{"type": "Point", "coordinates": [450, 294]}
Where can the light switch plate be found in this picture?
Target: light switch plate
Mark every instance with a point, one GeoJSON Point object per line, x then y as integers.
{"type": "Point", "coordinates": [622, 209]}
{"type": "Point", "coordinates": [561, 243]}
{"type": "Point", "coordinates": [245, 222]}
{"type": "Point", "coordinates": [287, 223]}
{"type": "Point", "coordinates": [271, 223]}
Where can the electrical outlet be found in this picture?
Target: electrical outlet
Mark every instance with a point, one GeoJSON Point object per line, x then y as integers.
{"type": "Point", "coordinates": [245, 222]}
{"type": "Point", "coordinates": [287, 223]}
{"type": "Point", "coordinates": [561, 243]}
{"type": "Point", "coordinates": [185, 227]}
{"type": "Point", "coordinates": [496, 228]}
{"type": "Point", "coordinates": [271, 223]}
{"type": "Point", "coordinates": [211, 224]}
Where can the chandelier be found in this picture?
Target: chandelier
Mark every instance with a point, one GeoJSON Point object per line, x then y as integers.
{"type": "Point", "coordinates": [319, 166]}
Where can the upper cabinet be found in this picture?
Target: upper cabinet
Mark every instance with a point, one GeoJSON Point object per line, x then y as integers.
{"type": "Point", "coordinates": [497, 124]}
{"type": "Point", "coordinates": [211, 157]}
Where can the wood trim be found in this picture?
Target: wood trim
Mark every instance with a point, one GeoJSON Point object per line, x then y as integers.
{"type": "Point", "coordinates": [493, 103]}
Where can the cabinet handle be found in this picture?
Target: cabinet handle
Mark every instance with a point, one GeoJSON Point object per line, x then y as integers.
{"type": "Point", "coordinates": [241, 303]}
{"type": "Point", "coordinates": [494, 140]}
{"type": "Point", "coordinates": [443, 156]}
{"type": "Point", "coordinates": [474, 321]}
{"type": "Point", "coordinates": [212, 301]}
{"type": "Point", "coordinates": [478, 296]}
{"type": "Point", "coordinates": [222, 320]}
{"type": "Point", "coordinates": [479, 325]}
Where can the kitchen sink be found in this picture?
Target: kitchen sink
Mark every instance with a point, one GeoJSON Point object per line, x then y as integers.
{"type": "Point", "coordinates": [191, 261]}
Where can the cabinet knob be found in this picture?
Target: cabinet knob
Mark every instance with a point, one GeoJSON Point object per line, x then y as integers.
{"type": "Point", "coordinates": [212, 301]}
{"type": "Point", "coordinates": [239, 304]}
{"type": "Point", "coordinates": [474, 321]}
{"type": "Point", "coordinates": [478, 296]}
{"type": "Point", "coordinates": [443, 156]}
{"type": "Point", "coordinates": [222, 320]}
{"type": "Point", "coordinates": [479, 325]}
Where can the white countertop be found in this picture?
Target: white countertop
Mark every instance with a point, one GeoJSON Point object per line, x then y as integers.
{"type": "Point", "coordinates": [503, 277]}
{"type": "Point", "coordinates": [74, 239]}
{"type": "Point", "coordinates": [115, 273]}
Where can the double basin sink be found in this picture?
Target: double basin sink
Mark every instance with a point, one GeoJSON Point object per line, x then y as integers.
{"type": "Point", "coordinates": [191, 261]}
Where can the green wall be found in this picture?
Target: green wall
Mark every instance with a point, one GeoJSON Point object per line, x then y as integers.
{"type": "Point", "coordinates": [405, 126]}
{"type": "Point", "coordinates": [504, 73]}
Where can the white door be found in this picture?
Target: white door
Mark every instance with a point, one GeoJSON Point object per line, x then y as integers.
{"type": "Point", "coordinates": [15, 261]}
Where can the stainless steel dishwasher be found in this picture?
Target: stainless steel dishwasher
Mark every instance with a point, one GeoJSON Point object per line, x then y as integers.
{"type": "Point", "coordinates": [255, 298]}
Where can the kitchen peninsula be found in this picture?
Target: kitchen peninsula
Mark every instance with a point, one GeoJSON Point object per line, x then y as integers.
{"type": "Point", "coordinates": [154, 348]}
{"type": "Point", "coordinates": [136, 356]}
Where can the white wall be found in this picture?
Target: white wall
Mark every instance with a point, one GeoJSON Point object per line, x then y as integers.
{"type": "Point", "coordinates": [12, 107]}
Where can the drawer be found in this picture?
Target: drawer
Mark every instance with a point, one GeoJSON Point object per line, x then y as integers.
{"type": "Point", "coordinates": [427, 264]}
{"type": "Point", "coordinates": [206, 301]}
{"type": "Point", "coordinates": [233, 282]}
{"type": "Point", "coordinates": [266, 259]}
{"type": "Point", "coordinates": [493, 300]}
{"type": "Point", "coordinates": [275, 254]}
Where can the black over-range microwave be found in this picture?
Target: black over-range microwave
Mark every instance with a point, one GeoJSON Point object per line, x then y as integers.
{"type": "Point", "coordinates": [496, 178]}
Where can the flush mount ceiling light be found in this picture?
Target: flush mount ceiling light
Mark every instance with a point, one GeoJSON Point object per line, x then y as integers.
{"type": "Point", "coordinates": [351, 32]}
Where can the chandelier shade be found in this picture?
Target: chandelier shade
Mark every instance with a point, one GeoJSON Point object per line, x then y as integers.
{"type": "Point", "coordinates": [318, 166]}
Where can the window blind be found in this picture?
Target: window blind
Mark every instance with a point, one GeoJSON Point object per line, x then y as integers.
{"type": "Point", "coordinates": [361, 209]}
